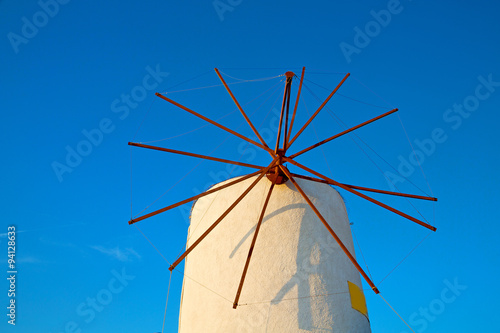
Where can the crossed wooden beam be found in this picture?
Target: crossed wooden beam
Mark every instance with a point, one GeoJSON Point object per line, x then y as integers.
{"type": "Point", "coordinates": [277, 172]}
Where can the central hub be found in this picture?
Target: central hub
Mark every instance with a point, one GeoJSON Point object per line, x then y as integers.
{"type": "Point", "coordinates": [275, 174]}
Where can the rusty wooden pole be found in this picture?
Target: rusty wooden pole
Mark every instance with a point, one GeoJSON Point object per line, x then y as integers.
{"type": "Point", "coordinates": [195, 155]}
{"type": "Point", "coordinates": [281, 117]}
{"type": "Point", "coordinates": [295, 108]}
{"type": "Point", "coordinates": [214, 123]}
{"type": "Point", "coordinates": [343, 133]}
{"type": "Point", "coordinates": [330, 230]}
{"type": "Point", "coordinates": [241, 110]}
{"type": "Point", "coordinates": [198, 241]}
{"type": "Point", "coordinates": [289, 76]}
{"type": "Point", "coordinates": [250, 251]}
{"type": "Point", "coordinates": [164, 209]}
{"type": "Point", "coordinates": [318, 110]}
{"type": "Point", "coordinates": [333, 182]}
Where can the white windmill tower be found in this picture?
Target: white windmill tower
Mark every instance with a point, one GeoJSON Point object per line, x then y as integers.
{"type": "Point", "coordinates": [273, 233]}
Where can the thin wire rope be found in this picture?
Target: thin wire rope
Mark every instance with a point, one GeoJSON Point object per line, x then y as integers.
{"type": "Point", "coordinates": [154, 99]}
{"type": "Point", "coordinates": [177, 270]}
{"type": "Point", "coordinates": [302, 297]}
{"type": "Point", "coordinates": [189, 132]}
{"type": "Point", "coordinates": [161, 254]}
{"type": "Point", "coordinates": [315, 71]}
{"type": "Point", "coordinates": [396, 313]}
{"type": "Point", "coordinates": [220, 85]}
{"type": "Point", "coordinates": [253, 68]}
{"type": "Point", "coordinates": [250, 80]}
{"type": "Point", "coordinates": [201, 220]}
{"type": "Point", "coordinates": [144, 118]}
{"type": "Point", "coordinates": [342, 124]}
{"type": "Point", "coordinates": [362, 255]}
{"type": "Point", "coordinates": [367, 145]}
{"type": "Point", "coordinates": [416, 156]}
{"type": "Point", "coordinates": [182, 178]}
{"type": "Point", "coordinates": [351, 98]}
{"type": "Point", "coordinates": [398, 190]}
{"type": "Point", "coordinates": [405, 257]}
{"type": "Point", "coordinates": [418, 160]}
{"type": "Point", "coordinates": [166, 303]}
{"type": "Point", "coordinates": [402, 125]}
{"type": "Point", "coordinates": [331, 175]}
{"type": "Point", "coordinates": [373, 92]}
{"type": "Point", "coordinates": [336, 118]}
{"type": "Point", "coordinates": [202, 285]}
{"type": "Point", "coordinates": [224, 116]}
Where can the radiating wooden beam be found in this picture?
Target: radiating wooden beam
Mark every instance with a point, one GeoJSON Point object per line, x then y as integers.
{"type": "Point", "coordinates": [343, 133]}
{"type": "Point", "coordinates": [196, 197]}
{"type": "Point", "coordinates": [318, 110]}
{"type": "Point", "coordinates": [282, 114]}
{"type": "Point", "coordinates": [333, 182]}
{"type": "Point", "coordinates": [289, 76]}
{"type": "Point", "coordinates": [214, 123]}
{"type": "Point", "coordinates": [252, 245]}
{"type": "Point", "coordinates": [241, 109]}
{"type": "Point", "coordinates": [205, 157]}
{"type": "Point", "coordinates": [198, 241]}
{"type": "Point", "coordinates": [368, 189]}
{"type": "Point", "coordinates": [330, 230]}
{"type": "Point", "coordinates": [295, 108]}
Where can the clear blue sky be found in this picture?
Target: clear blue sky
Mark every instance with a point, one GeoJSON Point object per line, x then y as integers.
{"type": "Point", "coordinates": [67, 73]}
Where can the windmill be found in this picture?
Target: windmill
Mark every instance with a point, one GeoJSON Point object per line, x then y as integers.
{"type": "Point", "coordinates": [278, 190]}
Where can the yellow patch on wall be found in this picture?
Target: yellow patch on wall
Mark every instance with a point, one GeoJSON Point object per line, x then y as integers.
{"type": "Point", "coordinates": [358, 301]}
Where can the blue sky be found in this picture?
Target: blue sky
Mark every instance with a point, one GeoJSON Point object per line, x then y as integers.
{"type": "Point", "coordinates": [81, 76]}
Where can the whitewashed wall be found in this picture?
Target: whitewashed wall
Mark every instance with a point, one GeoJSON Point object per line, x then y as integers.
{"type": "Point", "coordinates": [295, 257]}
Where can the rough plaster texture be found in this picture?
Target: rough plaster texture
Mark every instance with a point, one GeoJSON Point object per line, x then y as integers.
{"type": "Point", "coordinates": [294, 257]}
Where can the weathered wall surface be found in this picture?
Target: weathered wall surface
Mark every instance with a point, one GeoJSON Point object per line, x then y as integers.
{"type": "Point", "coordinates": [295, 257]}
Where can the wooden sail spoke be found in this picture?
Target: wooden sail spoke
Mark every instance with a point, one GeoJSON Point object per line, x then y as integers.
{"type": "Point", "coordinates": [330, 230]}
{"type": "Point", "coordinates": [333, 182]}
{"type": "Point", "coordinates": [241, 110]}
{"type": "Point", "coordinates": [343, 133]}
{"type": "Point", "coordinates": [368, 189]}
{"type": "Point", "coordinates": [282, 114]}
{"type": "Point", "coordinates": [180, 203]}
{"type": "Point", "coordinates": [205, 157]}
{"type": "Point", "coordinates": [214, 123]}
{"type": "Point", "coordinates": [318, 110]}
{"type": "Point", "coordinates": [234, 204]}
{"type": "Point", "coordinates": [250, 251]}
{"type": "Point", "coordinates": [295, 109]}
